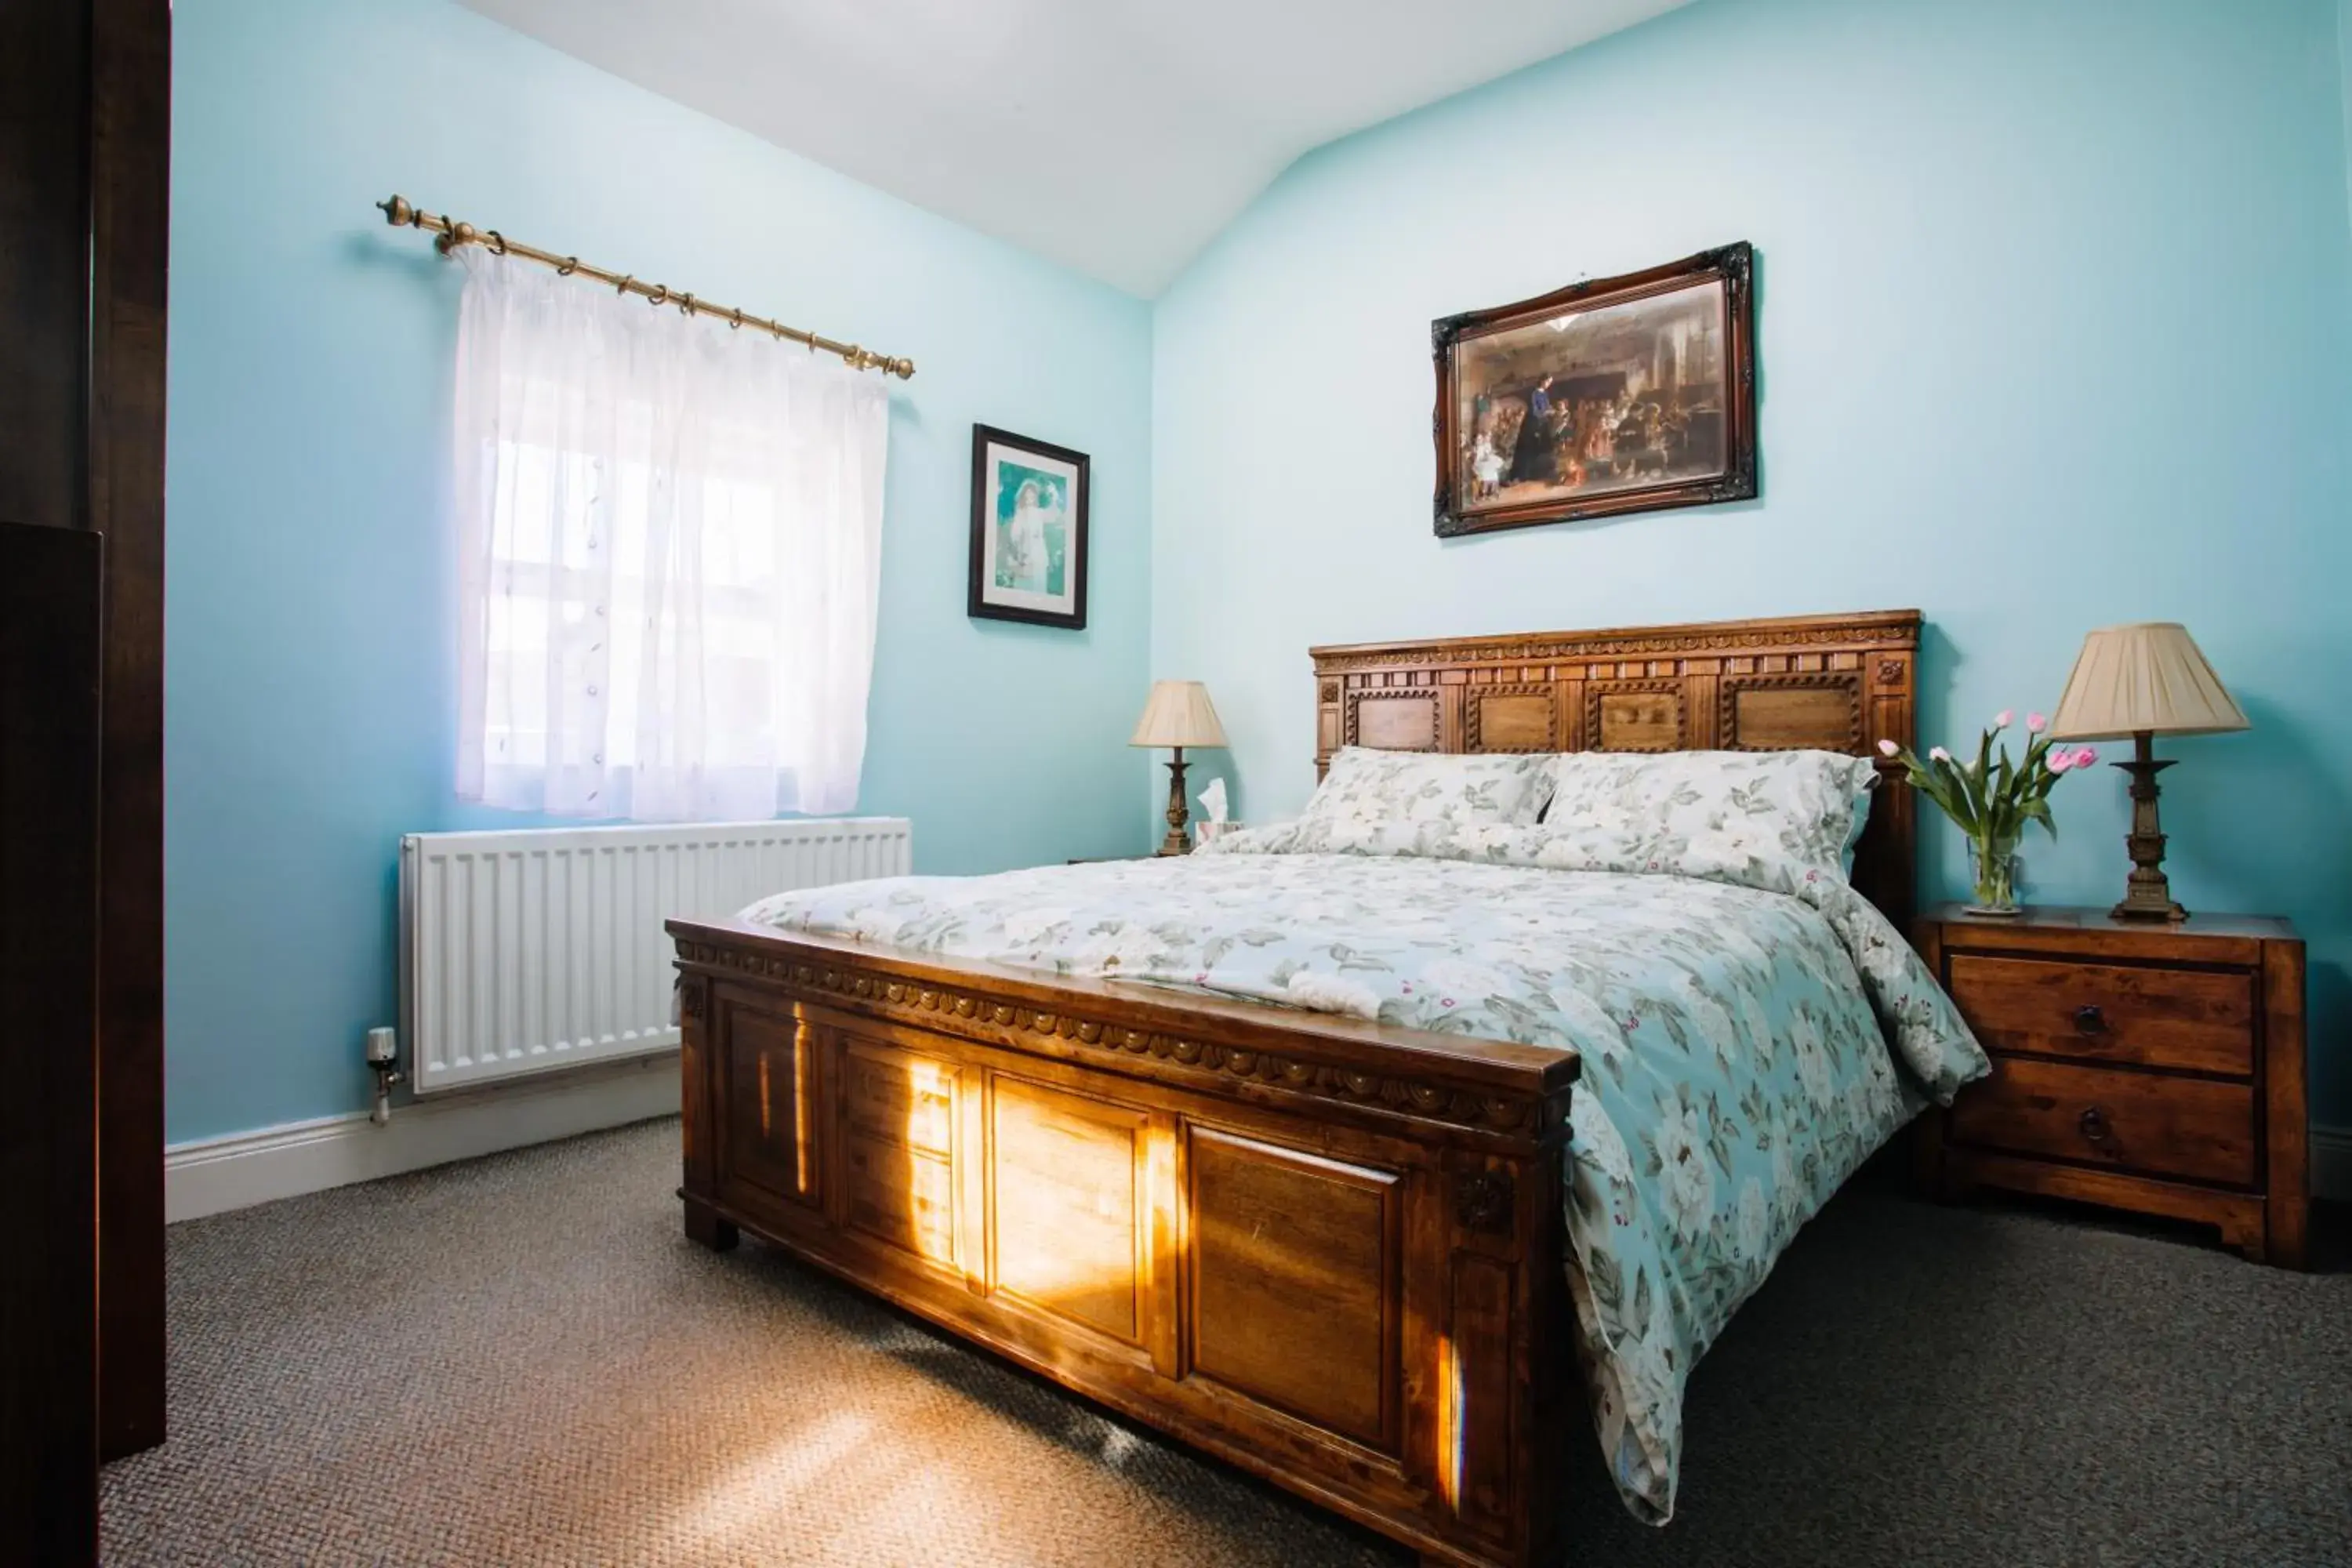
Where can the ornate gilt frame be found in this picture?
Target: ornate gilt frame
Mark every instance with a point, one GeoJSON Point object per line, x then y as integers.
{"type": "Point", "coordinates": [1735, 265]}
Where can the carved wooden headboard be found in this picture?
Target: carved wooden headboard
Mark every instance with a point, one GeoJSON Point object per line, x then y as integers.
{"type": "Point", "coordinates": [1840, 683]}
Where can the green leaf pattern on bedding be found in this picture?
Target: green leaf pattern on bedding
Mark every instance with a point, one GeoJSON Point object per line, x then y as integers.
{"type": "Point", "coordinates": [1364, 789]}
{"type": "Point", "coordinates": [1802, 806]}
{"type": "Point", "coordinates": [1734, 1009]}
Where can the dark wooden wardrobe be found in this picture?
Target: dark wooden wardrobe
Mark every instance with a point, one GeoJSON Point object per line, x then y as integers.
{"type": "Point", "coordinates": [85, 209]}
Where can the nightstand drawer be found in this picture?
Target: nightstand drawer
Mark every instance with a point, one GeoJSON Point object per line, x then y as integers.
{"type": "Point", "coordinates": [2139, 1122]}
{"type": "Point", "coordinates": [2194, 1019]}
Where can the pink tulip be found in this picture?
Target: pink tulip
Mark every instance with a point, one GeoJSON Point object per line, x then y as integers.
{"type": "Point", "coordinates": [1887, 748]}
{"type": "Point", "coordinates": [2085, 756]}
{"type": "Point", "coordinates": [2061, 761]}
{"type": "Point", "coordinates": [1939, 754]}
{"type": "Point", "coordinates": [2000, 720]}
{"type": "Point", "coordinates": [2036, 722]}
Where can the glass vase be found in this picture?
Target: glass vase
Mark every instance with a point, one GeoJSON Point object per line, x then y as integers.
{"type": "Point", "coordinates": [1992, 867]}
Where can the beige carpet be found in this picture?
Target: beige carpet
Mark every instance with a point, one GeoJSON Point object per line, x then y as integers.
{"type": "Point", "coordinates": [522, 1360]}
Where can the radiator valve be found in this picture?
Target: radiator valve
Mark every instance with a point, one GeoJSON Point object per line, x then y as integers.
{"type": "Point", "coordinates": [383, 1051]}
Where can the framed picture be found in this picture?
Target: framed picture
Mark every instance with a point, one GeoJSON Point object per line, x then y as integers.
{"type": "Point", "coordinates": [1028, 529]}
{"type": "Point", "coordinates": [1619, 395]}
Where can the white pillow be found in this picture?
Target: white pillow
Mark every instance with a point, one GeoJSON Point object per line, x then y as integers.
{"type": "Point", "coordinates": [1366, 788]}
{"type": "Point", "coordinates": [1804, 806]}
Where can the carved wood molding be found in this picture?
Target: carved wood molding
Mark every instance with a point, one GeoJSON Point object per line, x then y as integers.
{"type": "Point", "coordinates": [1474, 714]}
{"type": "Point", "coordinates": [972, 1012]}
{"type": "Point", "coordinates": [1484, 1201]}
{"type": "Point", "coordinates": [1730, 637]}
{"type": "Point", "coordinates": [1846, 683]}
{"type": "Point", "coordinates": [690, 996]}
{"type": "Point", "coordinates": [1356, 699]}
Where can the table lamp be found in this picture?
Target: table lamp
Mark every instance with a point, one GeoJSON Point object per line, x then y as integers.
{"type": "Point", "coordinates": [1177, 715]}
{"type": "Point", "coordinates": [2144, 680]}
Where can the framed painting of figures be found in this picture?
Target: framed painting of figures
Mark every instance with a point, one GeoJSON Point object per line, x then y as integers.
{"type": "Point", "coordinates": [1028, 530]}
{"type": "Point", "coordinates": [1619, 394]}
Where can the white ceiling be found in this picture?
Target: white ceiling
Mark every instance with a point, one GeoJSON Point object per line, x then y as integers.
{"type": "Point", "coordinates": [1113, 135]}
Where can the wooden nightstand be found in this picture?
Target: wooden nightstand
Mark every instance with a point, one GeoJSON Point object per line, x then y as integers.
{"type": "Point", "coordinates": [2153, 1068]}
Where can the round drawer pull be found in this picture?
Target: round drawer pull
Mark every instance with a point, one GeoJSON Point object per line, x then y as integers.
{"type": "Point", "coordinates": [2089, 1020]}
{"type": "Point", "coordinates": [2094, 1125]}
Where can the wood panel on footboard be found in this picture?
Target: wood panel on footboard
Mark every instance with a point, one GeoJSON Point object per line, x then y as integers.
{"type": "Point", "coordinates": [1327, 1251]}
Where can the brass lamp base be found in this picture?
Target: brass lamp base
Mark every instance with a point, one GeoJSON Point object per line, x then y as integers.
{"type": "Point", "coordinates": [2148, 896]}
{"type": "Point", "coordinates": [1178, 841]}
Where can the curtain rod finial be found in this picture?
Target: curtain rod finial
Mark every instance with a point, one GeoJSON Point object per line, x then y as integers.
{"type": "Point", "coordinates": [397, 210]}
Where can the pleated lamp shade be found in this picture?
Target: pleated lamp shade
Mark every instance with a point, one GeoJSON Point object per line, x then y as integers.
{"type": "Point", "coordinates": [2147, 675]}
{"type": "Point", "coordinates": [1178, 714]}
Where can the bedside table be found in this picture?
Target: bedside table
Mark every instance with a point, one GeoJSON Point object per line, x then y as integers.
{"type": "Point", "coordinates": [2145, 1066]}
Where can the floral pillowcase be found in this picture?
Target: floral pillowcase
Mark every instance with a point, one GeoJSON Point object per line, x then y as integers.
{"type": "Point", "coordinates": [1367, 792]}
{"type": "Point", "coordinates": [1797, 811]}
{"type": "Point", "coordinates": [1806, 807]}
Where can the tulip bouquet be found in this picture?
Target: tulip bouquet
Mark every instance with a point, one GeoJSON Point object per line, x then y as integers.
{"type": "Point", "coordinates": [1992, 799]}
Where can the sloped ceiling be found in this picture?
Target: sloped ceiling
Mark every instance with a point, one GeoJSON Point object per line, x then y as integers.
{"type": "Point", "coordinates": [1110, 135]}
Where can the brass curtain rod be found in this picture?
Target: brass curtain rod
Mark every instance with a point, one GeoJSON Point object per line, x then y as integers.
{"type": "Point", "coordinates": [399, 213]}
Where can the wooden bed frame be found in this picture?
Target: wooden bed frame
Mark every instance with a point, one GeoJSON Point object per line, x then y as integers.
{"type": "Point", "coordinates": [1329, 1252]}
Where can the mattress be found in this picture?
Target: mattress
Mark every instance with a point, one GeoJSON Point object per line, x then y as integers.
{"type": "Point", "coordinates": [1750, 1034]}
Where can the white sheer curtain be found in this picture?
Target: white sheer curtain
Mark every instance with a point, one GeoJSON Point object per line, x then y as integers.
{"type": "Point", "coordinates": [669, 549]}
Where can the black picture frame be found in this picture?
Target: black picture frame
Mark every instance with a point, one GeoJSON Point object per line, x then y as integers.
{"type": "Point", "coordinates": [1010, 603]}
{"type": "Point", "coordinates": [1459, 508]}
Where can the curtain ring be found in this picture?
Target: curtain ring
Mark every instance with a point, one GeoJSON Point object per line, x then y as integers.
{"type": "Point", "coordinates": [623, 285]}
{"type": "Point", "coordinates": [571, 265]}
{"type": "Point", "coordinates": [737, 320]}
{"type": "Point", "coordinates": [497, 242]}
{"type": "Point", "coordinates": [686, 304]}
{"type": "Point", "coordinates": [660, 296]}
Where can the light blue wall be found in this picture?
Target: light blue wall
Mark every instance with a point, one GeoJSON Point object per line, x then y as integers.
{"type": "Point", "coordinates": [2343, 64]}
{"type": "Point", "coordinates": [2055, 307]}
{"type": "Point", "coordinates": [309, 662]}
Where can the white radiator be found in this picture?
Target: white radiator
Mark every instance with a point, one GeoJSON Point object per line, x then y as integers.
{"type": "Point", "coordinates": [536, 949]}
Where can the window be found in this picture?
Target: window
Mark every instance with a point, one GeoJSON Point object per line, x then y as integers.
{"type": "Point", "coordinates": [669, 545]}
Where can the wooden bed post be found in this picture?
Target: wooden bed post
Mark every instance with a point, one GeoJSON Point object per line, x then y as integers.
{"type": "Point", "coordinates": [696, 1090]}
{"type": "Point", "coordinates": [1506, 1336]}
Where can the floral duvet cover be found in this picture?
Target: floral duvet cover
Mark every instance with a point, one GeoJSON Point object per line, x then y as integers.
{"type": "Point", "coordinates": [1752, 1030]}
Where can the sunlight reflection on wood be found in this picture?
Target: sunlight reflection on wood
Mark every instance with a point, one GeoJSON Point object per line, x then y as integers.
{"type": "Point", "coordinates": [1449, 1424]}
{"type": "Point", "coordinates": [803, 1049]}
{"type": "Point", "coordinates": [1067, 1171]}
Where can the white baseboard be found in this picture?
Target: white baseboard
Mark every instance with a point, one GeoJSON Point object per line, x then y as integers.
{"type": "Point", "coordinates": [212, 1176]}
{"type": "Point", "coordinates": [2331, 1164]}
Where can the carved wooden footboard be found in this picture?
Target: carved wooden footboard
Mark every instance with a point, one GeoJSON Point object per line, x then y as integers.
{"type": "Point", "coordinates": [1327, 1251]}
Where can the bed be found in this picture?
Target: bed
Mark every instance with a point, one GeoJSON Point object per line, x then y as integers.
{"type": "Point", "coordinates": [1360, 1170]}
